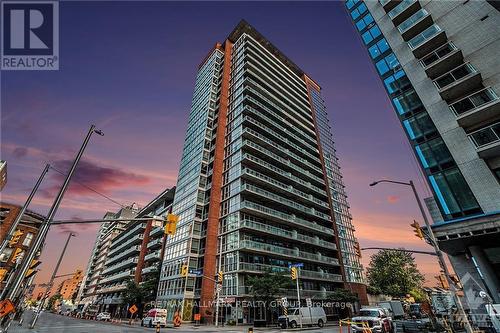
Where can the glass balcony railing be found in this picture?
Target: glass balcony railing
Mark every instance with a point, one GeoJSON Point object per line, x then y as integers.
{"type": "Point", "coordinates": [284, 217]}
{"type": "Point", "coordinates": [424, 36]}
{"type": "Point", "coordinates": [135, 239]}
{"type": "Point", "coordinates": [412, 20]}
{"type": "Point", "coordinates": [384, 2]}
{"type": "Point", "coordinates": [119, 276]}
{"type": "Point", "coordinates": [121, 255]}
{"type": "Point", "coordinates": [474, 101]}
{"type": "Point", "coordinates": [286, 233]}
{"type": "Point", "coordinates": [153, 255]}
{"type": "Point", "coordinates": [120, 265]}
{"type": "Point", "coordinates": [486, 136]}
{"type": "Point", "coordinates": [454, 75]}
{"type": "Point", "coordinates": [400, 8]}
{"type": "Point", "coordinates": [440, 53]}
{"type": "Point", "coordinates": [279, 269]}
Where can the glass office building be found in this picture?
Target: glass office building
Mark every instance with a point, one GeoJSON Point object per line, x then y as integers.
{"type": "Point", "coordinates": [259, 186]}
{"type": "Point", "coordinates": [438, 61]}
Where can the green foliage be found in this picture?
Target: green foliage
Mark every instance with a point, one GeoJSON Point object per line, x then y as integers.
{"type": "Point", "coordinates": [134, 294]}
{"type": "Point", "coordinates": [395, 273]}
{"type": "Point", "coordinates": [52, 300]}
{"type": "Point", "coordinates": [419, 295]}
{"type": "Point", "coordinates": [266, 288]}
{"type": "Point", "coordinates": [343, 295]}
{"type": "Point", "coordinates": [373, 290]}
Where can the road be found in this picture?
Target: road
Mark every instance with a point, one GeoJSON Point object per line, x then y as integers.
{"type": "Point", "coordinates": [52, 323]}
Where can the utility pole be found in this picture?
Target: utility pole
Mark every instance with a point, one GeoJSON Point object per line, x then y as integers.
{"type": "Point", "coordinates": [51, 281]}
{"type": "Point", "coordinates": [13, 291]}
{"type": "Point", "coordinates": [439, 254]}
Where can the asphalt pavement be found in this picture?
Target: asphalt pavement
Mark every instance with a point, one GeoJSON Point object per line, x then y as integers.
{"type": "Point", "coordinates": [54, 323]}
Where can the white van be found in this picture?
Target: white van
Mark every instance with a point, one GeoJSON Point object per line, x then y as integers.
{"type": "Point", "coordinates": [309, 316]}
{"type": "Point", "coordinates": [154, 317]}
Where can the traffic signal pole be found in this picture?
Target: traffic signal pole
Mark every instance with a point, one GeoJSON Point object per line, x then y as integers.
{"type": "Point", "coordinates": [298, 297]}
{"type": "Point", "coordinates": [13, 292]}
{"type": "Point", "coordinates": [437, 250]}
{"type": "Point", "coordinates": [14, 224]}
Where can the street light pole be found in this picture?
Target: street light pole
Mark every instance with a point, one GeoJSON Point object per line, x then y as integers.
{"type": "Point", "coordinates": [439, 254]}
{"type": "Point", "coordinates": [51, 281]}
{"type": "Point", "coordinates": [13, 291]}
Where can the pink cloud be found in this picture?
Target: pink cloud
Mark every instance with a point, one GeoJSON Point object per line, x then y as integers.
{"type": "Point", "coordinates": [392, 199]}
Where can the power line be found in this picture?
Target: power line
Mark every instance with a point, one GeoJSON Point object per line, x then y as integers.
{"type": "Point", "coordinates": [91, 189]}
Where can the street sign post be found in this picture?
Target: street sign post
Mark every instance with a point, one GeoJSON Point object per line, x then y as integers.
{"type": "Point", "coordinates": [133, 309]}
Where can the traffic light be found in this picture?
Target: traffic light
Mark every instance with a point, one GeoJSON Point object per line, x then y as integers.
{"type": "Point", "coordinates": [443, 281]}
{"type": "Point", "coordinates": [293, 273]}
{"type": "Point", "coordinates": [16, 255]}
{"type": "Point", "coordinates": [357, 249]}
{"type": "Point", "coordinates": [184, 270]}
{"type": "Point", "coordinates": [3, 272]}
{"type": "Point", "coordinates": [31, 270]}
{"type": "Point", "coordinates": [171, 224]}
{"type": "Point", "coordinates": [220, 277]}
{"type": "Point", "coordinates": [416, 229]}
{"type": "Point", "coordinates": [15, 238]}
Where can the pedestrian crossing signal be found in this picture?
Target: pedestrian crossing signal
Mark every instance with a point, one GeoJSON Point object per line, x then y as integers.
{"type": "Point", "coordinates": [293, 273]}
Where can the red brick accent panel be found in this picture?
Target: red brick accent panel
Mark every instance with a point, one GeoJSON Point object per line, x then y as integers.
{"type": "Point", "coordinates": [209, 269]}
{"type": "Point", "coordinates": [142, 254]}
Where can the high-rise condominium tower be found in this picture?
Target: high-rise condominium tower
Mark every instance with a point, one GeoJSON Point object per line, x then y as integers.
{"type": "Point", "coordinates": [439, 62]}
{"type": "Point", "coordinates": [259, 185]}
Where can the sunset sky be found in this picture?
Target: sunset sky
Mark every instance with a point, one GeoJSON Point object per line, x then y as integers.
{"type": "Point", "coordinates": [130, 68]}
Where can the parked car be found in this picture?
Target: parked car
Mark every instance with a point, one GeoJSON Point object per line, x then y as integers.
{"type": "Point", "coordinates": [375, 318]}
{"type": "Point", "coordinates": [154, 317]}
{"type": "Point", "coordinates": [103, 316]}
{"type": "Point", "coordinates": [308, 315]}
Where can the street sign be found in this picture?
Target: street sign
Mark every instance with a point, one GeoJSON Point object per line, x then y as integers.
{"type": "Point", "coordinates": [133, 309]}
{"type": "Point", "coordinates": [300, 264]}
{"type": "Point", "coordinates": [6, 307]}
{"type": "Point", "coordinates": [197, 272]}
{"type": "Point", "coordinates": [309, 302]}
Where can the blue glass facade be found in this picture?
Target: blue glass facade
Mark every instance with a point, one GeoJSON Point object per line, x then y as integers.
{"type": "Point", "coordinates": [452, 193]}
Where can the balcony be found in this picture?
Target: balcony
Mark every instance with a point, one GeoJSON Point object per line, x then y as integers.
{"type": "Point", "coordinates": [266, 212]}
{"type": "Point", "coordinates": [289, 234]}
{"type": "Point", "coordinates": [124, 254]}
{"type": "Point", "coordinates": [137, 239]}
{"type": "Point", "coordinates": [442, 60]}
{"type": "Point", "coordinates": [121, 238]}
{"type": "Point", "coordinates": [316, 275]}
{"type": "Point", "coordinates": [152, 256]}
{"type": "Point", "coordinates": [286, 252]}
{"type": "Point", "coordinates": [156, 231]}
{"type": "Point", "coordinates": [477, 107]}
{"type": "Point", "coordinates": [487, 140]}
{"type": "Point", "coordinates": [120, 276]}
{"type": "Point", "coordinates": [155, 243]}
{"type": "Point", "coordinates": [458, 82]}
{"type": "Point", "coordinates": [113, 289]}
{"type": "Point", "coordinates": [388, 4]}
{"type": "Point", "coordinates": [415, 24]}
{"type": "Point", "coordinates": [427, 41]}
{"type": "Point", "coordinates": [403, 11]}
{"type": "Point", "coordinates": [150, 269]}
{"type": "Point", "coordinates": [120, 266]}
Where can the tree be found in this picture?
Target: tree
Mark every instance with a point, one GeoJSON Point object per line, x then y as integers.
{"type": "Point", "coordinates": [343, 296]}
{"type": "Point", "coordinates": [267, 287]}
{"type": "Point", "coordinates": [134, 295]}
{"type": "Point", "coordinates": [395, 273]}
{"type": "Point", "coordinates": [52, 300]}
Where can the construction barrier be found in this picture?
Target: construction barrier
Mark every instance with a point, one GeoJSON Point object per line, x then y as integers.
{"type": "Point", "coordinates": [348, 323]}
